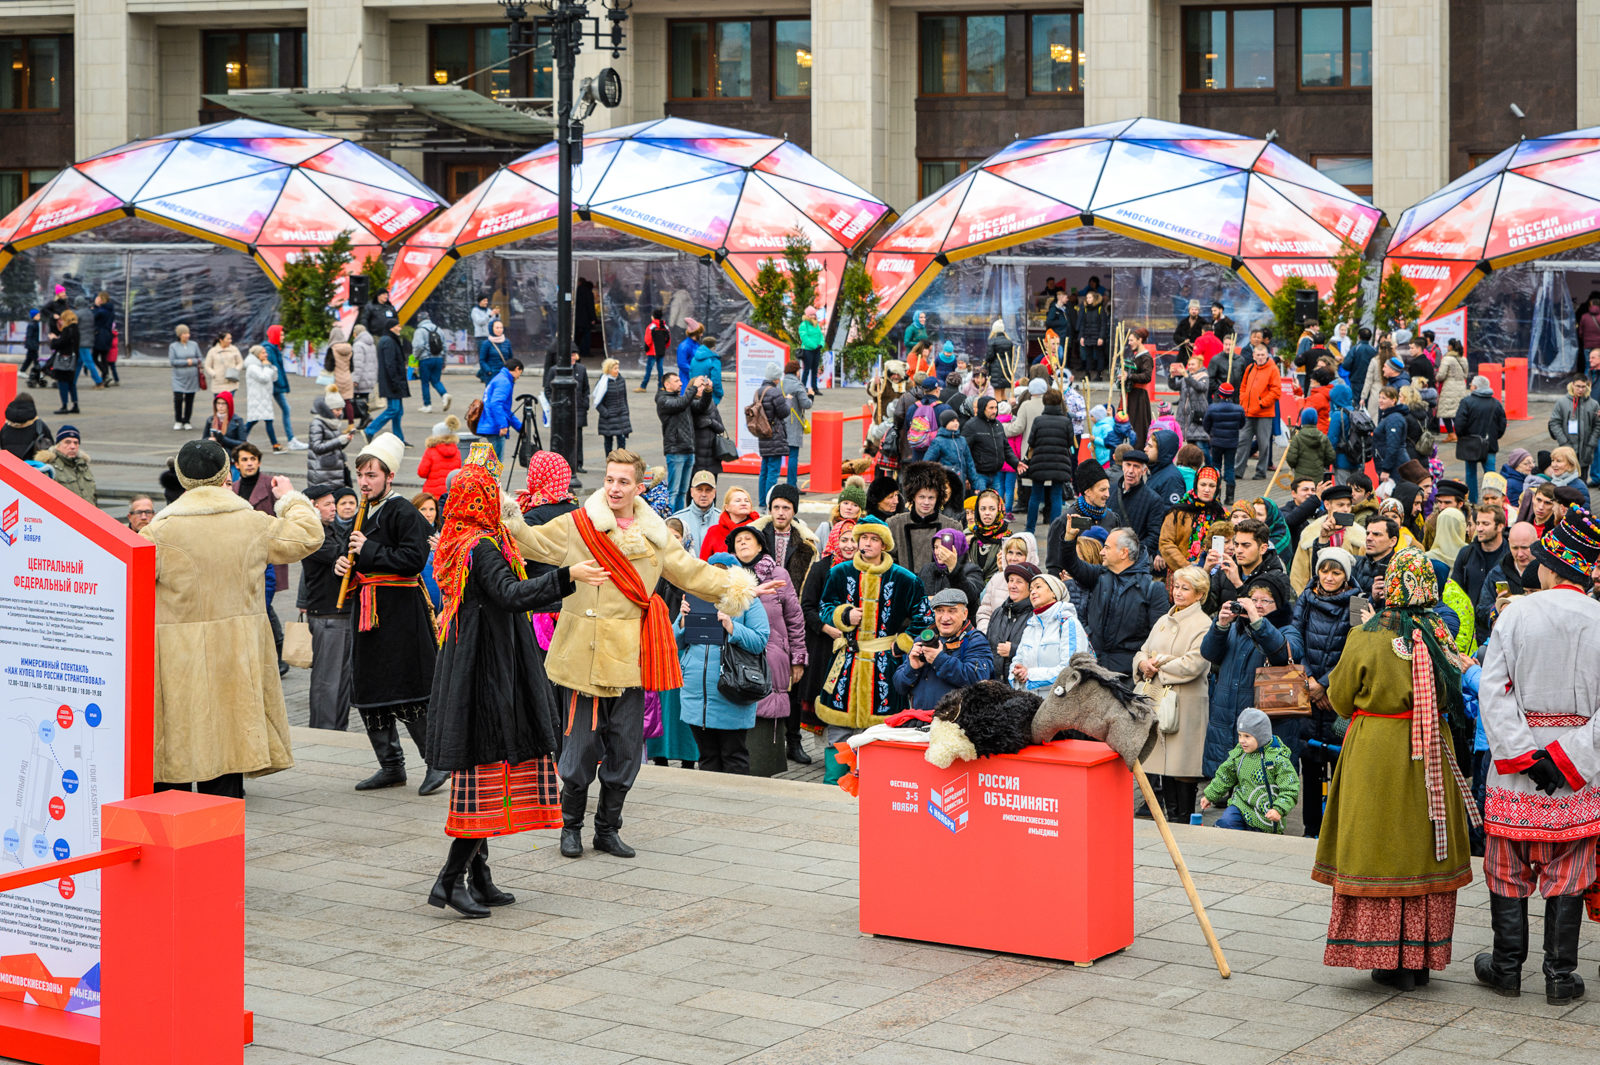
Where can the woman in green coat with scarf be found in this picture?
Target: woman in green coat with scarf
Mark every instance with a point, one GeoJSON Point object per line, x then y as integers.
{"type": "Point", "coordinates": [1394, 844]}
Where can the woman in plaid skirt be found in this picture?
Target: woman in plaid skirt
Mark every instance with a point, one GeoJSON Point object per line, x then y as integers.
{"type": "Point", "coordinates": [1394, 838]}
{"type": "Point", "coordinates": [493, 721]}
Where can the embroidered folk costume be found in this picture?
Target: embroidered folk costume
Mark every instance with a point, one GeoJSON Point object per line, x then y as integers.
{"type": "Point", "coordinates": [612, 642]}
{"type": "Point", "coordinates": [392, 646]}
{"type": "Point", "coordinates": [493, 720]}
{"type": "Point", "coordinates": [1394, 843]}
{"type": "Point", "coordinates": [858, 691]}
{"type": "Point", "coordinates": [1539, 694]}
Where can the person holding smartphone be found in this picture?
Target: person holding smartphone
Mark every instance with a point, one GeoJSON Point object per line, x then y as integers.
{"type": "Point", "coordinates": [1335, 528]}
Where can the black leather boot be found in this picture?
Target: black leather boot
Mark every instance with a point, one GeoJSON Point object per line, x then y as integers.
{"type": "Point", "coordinates": [1501, 971]}
{"type": "Point", "coordinates": [797, 753]}
{"type": "Point", "coordinates": [1399, 979]}
{"type": "Point", "coordinates": [483, 887]}
{"type": "Point", "coordinates": [433, 779]}
{"type": "Point", "coordinates": [607, 821]}
{"type": "Point", "coordinates": [391, 760]}
{"type": "Point", "coordinates": [1563, 919]}
{"type": "Point", "coordinates": [573, 805]}
{"type": "Point", "coordinates": [450, 889]}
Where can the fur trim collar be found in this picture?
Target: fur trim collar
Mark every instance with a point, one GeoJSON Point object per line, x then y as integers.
{"type": "Point", "coordinates": [797, 525]}
{"type": "Point", "coordinates": [447, 438]}
{"type": "Point", "coordinates": [204, 499]}
{"type": "Point", "coordinates": [645, 520]}
{"type": "Point", "coordinates": [289, 500]}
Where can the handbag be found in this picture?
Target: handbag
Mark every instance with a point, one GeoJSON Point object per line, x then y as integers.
{"type": "Point", "coordinates": [727, 450]}
{"type": "Point", "coordinates": [1281, 691]}
{"type": "Point", "coordinates": [743, 677]}
{"type": "Point", "coordinates": [1471, 447]}
{"type": "Point", "coordinates": [201, 374]}
{"type": "Point", "coordinates": [1165, 700]}
{"type": "Point", "coordinates": [297, 644]}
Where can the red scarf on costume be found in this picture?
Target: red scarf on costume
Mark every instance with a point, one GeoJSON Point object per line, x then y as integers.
{"type": "Point", "coordinates": [658, 651]}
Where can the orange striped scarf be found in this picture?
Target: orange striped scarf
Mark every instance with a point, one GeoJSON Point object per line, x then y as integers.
{"type": "Point", "coordinates": [658, 651]}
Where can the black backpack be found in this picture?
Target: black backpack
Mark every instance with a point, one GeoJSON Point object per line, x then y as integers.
{"type": "Point", "coordinates": [661, 340]}
{"type": "Point", "coordinates": [1357, 436]}
{"type": "Point", "coordinates": [435, 343]}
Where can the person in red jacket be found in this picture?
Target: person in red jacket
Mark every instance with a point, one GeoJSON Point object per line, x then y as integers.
{"type": "Point", "coordinates": [1258, 395]}
{"type": "Point", "coordinates": [737, 510]}
{"type": "Point", "coordinates": [442, 456]}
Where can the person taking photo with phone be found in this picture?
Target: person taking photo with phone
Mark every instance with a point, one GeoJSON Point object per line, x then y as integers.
{"type": "Point", "coordinates": [1335, 528]}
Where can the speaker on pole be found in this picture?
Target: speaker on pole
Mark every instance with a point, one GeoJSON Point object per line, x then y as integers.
{"type": "Point", "coordinates": [360, 290]}
{"type": "Point", "coordinates": [1305, 306]}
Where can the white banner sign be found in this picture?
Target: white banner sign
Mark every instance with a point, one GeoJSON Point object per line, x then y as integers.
{"type": "Point", "coordinates": [753, 352]}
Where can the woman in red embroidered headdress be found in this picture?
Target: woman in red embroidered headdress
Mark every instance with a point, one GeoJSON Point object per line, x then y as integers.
{"type": "Point", "coordinates": [493, 720]}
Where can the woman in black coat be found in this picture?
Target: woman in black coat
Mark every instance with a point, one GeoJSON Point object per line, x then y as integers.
{"type": "Point", "coordinates": [494, 722]}
{"type": "Point", "coordinates": [64, 365]}
{"type": "Point", "coordinates": [950, 568]}
{"type": "Point", "coordinates": [1322, 622]}
{"type": "Point", "coordinates": [707, 428]}
{"type": "Point", "coordinates": [820, 633]}
{"type": "Point", "coordinates": [1010, 618]}
{"type": "Point", "coordinates": [1049, 458]}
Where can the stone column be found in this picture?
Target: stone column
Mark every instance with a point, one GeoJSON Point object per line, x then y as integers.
{"type": "Point", "coordinates": [181, 80]}
{"type": "Point", "coordinates": [1121, 53]}
{"type": "Point", "coordinates": [851, 89]}
{"type": "Point", "coordinates": [899, 188]}
{"type": "Point", "coordinates": [408, 62]}
{"type": "Point", "coordinates": [1410, 101]}
{"type": "Point", "coordinates": [335, 29]}
{"type": "Point", "coordinates": [1588, 63]}
{"type": "Point", "coordinates": [644, 78]}
{"type": "Point", "coordinates": [114, 71]}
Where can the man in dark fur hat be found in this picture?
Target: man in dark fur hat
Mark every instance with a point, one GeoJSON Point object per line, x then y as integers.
{"type": "Point", "coordinates": [924, 488]}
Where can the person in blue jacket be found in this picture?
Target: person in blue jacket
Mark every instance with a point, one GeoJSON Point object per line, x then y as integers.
{"type": "Point", "coordinates": [498, 418]}
{"type": "Point", "coordinates": [950, 450]}
{"type": "Point", "coordinates": [692, 332]}
{"type": "Point", "coordinates": [719, 724]}
{"type": "Point", "coordinates": [956, 656]}
{"type": "Point", "coordinates": [708, 364]}
{"type": "Point", "coordinates": [1243, 638]}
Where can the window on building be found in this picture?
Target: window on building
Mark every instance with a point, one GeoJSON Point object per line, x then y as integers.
{"type": "Point", "coordinates": [791, 57]}
{"type": "Point", "coordinates": [18, 185]}
{"type": "Point", "coordinates": [1227, 48]}
{"type": "Point", "coordinates": [936, 173]}
{"type": "Point", "coordinates": [1055, 52]}
{"type": "Point", "coordinates": [707, 59]}
{"type": "Point", "coordinates": [457, 51]}
{"type": "Point", "coordinates": [32, 73]}
{"type": "Point", "coordinates": [253, 59]}
{"type": "Point", "coordinates": [1336, 46]}
{"type": "Point", "coordinates": [963, 54]}
{"type": "Point", "coordinates": [1354, 172]}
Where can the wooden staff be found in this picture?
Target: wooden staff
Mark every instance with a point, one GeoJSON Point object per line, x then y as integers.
{"type": "Point", "coordinates": [344, 585]}
{"type": "Point", "coordinates": [1160, 819]}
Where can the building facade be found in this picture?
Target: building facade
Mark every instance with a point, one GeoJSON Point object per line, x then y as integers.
{"type": "Point", "coordinates": [1393, 98]}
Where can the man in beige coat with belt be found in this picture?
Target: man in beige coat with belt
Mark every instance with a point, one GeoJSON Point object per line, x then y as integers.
{"type": "Point", "coordinates": [595, 655]}
{"type": "Point", "coordinates": [219, 712]}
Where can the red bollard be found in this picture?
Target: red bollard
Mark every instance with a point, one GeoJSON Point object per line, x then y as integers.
{"type": "Point", "coordinates": [1516, 381]}
{"type": "Point", "coordinates": [172, 932]}
{"type": "Point", "coordinates": [1493, 371]}
{"type": "Point", "coordinates": [8, 383]}
{"type": "Point", "coordinates": [827, 450]}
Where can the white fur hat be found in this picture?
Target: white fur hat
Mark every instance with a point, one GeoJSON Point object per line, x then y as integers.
{"type": "Point", "coordinates": [387, 449]}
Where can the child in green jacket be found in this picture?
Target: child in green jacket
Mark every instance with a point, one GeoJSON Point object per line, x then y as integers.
{"type": "Point", "coordinates": [1258, 781]}
{"type": "Point", "coordinates": [1310, 452]}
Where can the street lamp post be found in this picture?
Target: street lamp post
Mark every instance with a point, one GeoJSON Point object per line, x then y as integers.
{"type": "Point", "coordinates": [567, 24]}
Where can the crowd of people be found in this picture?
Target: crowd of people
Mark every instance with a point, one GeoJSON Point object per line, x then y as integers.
{"type": "Point", "coordinates": [531, 646]}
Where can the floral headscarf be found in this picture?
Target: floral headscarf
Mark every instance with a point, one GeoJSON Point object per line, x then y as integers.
{"type": "Point", "coordinates": [840, 527]}
{"type": "Point", "coordinates": [549, 481]}
{"type": "Point", "coordinates": [994, 532]}
{"type": "Point", "coordinates": [1206, 512]}
{"type": "Point", "coordinates": [1422, 639]}
{"type": "Point", "coordinates": [471, 514]}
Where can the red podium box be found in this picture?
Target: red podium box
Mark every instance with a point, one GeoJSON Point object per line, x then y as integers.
{"type": "Point", "coordinates": [1030, 853]}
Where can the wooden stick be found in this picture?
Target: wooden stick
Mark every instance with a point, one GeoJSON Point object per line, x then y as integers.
{"type": "Point", "coordinates": [344, 585]}
{"type": "Point", "coordinates": [1160, 819]}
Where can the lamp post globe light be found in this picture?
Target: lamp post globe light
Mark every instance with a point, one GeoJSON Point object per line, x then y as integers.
{"type": "Point", "coordinates": [568, 25]}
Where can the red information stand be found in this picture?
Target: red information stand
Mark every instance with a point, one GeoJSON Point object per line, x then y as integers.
{"type": "Point", "coordinates": [955, 855]}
